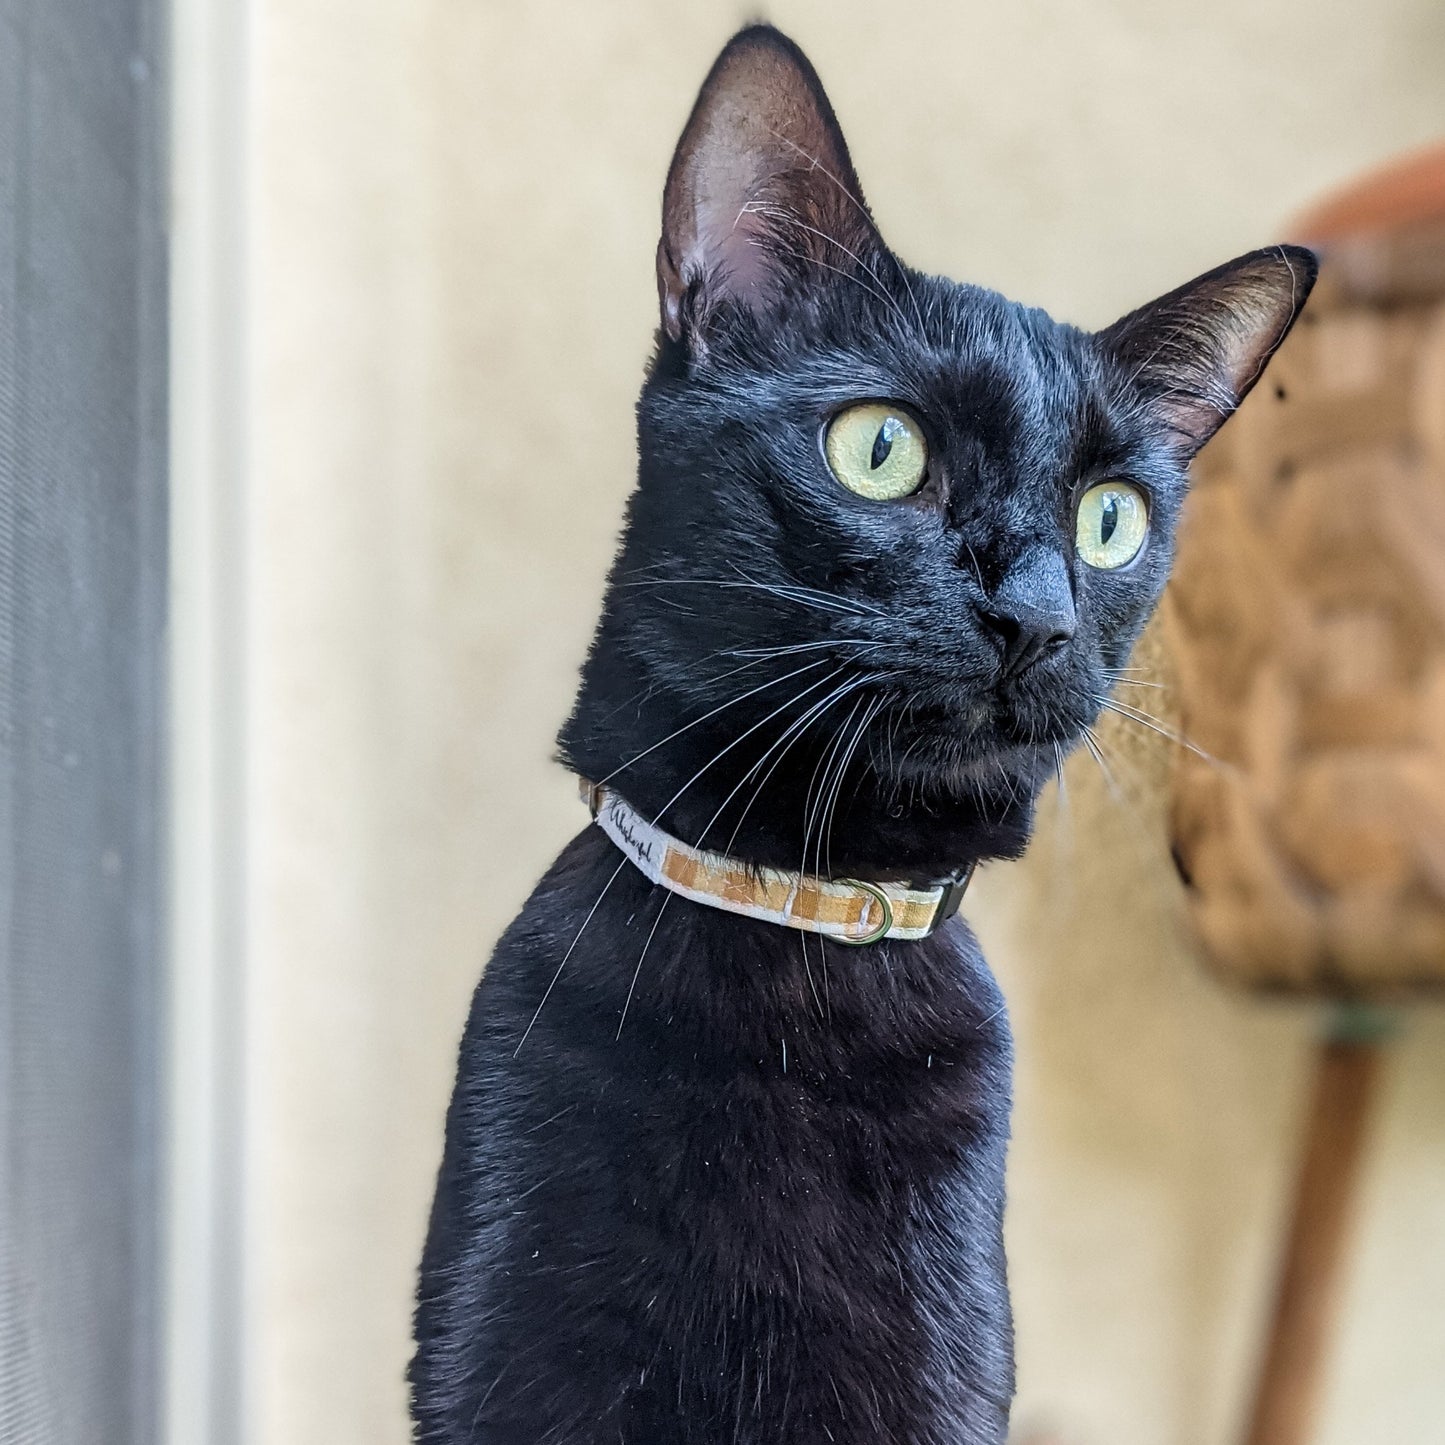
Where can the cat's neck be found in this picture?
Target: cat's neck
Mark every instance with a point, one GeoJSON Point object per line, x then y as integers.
{"type": "Point", "coordinates": [821, 801]}
{"type": "Point", "coordinates": [860, 826]}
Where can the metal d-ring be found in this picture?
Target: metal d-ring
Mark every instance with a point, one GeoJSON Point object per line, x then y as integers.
{"type": "Point", "coordinates": [885, 903]}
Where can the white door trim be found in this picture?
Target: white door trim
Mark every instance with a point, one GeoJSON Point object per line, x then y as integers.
{"type": "Point", "coordinates": [206, 1225]}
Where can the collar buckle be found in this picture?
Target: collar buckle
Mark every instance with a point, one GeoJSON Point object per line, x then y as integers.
{"type": "Point", "coordinates": [953, 891]}
{"type": "Point", "coordinates": [884, 902]}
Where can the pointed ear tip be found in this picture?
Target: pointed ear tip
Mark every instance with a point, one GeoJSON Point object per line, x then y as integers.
{"type": "Point", "coordinates": [1303, 261]}
{"type": "Point", "coordinates": [1304, 270]}
{"type": "Point", "coordinates": [1302, 264]}
{"type": "Point", "coordinates": [1304, 255]}
{"type": "Point", "coordinates": [763, 42]}
{"type": "Point", "coordinates": [1278, 277]}
{"type": "Point", "coordinates": [760, 35]}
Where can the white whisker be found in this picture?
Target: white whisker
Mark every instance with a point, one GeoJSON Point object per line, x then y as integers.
{"type": "Point", "coordinates": [570, 947]}
{"type": "Point", "coordinates": [721, 707]}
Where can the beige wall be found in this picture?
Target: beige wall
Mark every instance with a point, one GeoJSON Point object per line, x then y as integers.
{"type": "Point", "coordinates": [453, 300]}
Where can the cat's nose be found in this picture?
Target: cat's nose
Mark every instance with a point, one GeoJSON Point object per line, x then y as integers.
{"type": "Point", "coordinates": [1026, 635]}
{"type": "Point", "coordinates": [1031, 612]}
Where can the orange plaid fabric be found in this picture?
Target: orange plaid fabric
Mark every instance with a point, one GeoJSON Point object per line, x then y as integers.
{"type": "Point", "coordinates": [850, 910]}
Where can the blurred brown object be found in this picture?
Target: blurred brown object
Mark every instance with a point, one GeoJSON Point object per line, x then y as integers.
{"type": "Point", "coordinates": [1288, 1390]}
{"type": "Point", "coordinates": [1307, 625]}
{"type": "Point", "coordinates": [1306, 631]}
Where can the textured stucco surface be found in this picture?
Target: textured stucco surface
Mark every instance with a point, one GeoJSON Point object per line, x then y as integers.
{"type": "Point", "coordinates": [452, 241]}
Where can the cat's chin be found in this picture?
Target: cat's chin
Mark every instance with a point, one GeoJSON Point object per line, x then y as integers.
{"type": "Point", "coordinates": [974, 761]}
{"type": "Point", "coordinates": [1003, 772]}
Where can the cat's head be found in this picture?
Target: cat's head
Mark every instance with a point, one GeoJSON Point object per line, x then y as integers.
{"type": "Point", "coordinates": [893, 537]}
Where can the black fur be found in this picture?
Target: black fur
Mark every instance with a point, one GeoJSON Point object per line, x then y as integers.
{"type": "Point", "coordinates": [706, 1179]}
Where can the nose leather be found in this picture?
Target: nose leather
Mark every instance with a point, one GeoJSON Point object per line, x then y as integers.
{"type": "Point", "coordinates": [1031, 612]}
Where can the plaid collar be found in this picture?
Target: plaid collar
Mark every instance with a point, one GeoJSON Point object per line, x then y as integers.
{"type": "Point", "coordinates": [849, 910]}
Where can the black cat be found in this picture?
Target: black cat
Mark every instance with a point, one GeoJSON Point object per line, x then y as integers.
{"type": "Point", "coordinates": [709, 1180]}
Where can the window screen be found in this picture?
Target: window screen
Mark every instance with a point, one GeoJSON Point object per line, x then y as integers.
{"type": "Point", "coordinates": [82, 525]}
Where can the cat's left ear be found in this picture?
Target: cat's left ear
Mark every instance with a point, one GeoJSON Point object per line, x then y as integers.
{"type": "Point", "coordinates": [1194, 354]}
{"type": "Point", "coordinates": [761, 185]}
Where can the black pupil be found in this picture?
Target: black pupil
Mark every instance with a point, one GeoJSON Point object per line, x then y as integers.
{"type": "Point", "coordinates": [1108, 518]}
{"type": "Point", "coordinates": [883, 442]}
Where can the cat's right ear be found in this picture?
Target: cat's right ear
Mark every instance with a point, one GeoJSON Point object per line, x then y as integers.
{"type": "Point", "coordinates": [761, 185]}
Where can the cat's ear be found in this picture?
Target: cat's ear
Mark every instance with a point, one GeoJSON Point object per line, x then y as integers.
{"type": "Point", "coordinates": [1194, 354]}
{"type": "Point", "coordinates": [761, 183]}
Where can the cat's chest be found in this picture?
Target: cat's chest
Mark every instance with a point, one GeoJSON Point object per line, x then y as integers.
{"type": "Point", "coordinates": [755, 1110]}
{"type": "Point", "coordinates": [809, 1176]}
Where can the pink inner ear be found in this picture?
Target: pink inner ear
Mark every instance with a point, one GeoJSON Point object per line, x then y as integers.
{"type": "Point", "coordinates": [760, 182]}
{"type": "Point", "coordinates": [1260, 324]}
{"type": "Point", "coordinates": [1204, 345]}
{"type": "Point", "coordinates": [744, 261]}
{"type": "Point", "coordinates": [734, 233]}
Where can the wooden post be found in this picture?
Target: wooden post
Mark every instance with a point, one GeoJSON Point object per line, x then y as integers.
{"type": "Point", "coordinates": [1311, 1279]}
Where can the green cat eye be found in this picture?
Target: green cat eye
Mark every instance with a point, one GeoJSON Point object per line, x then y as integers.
{"type": "Point", "coordinates": [877, 450]}
{"type": "Point", "coordinates": [1112, 523]}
